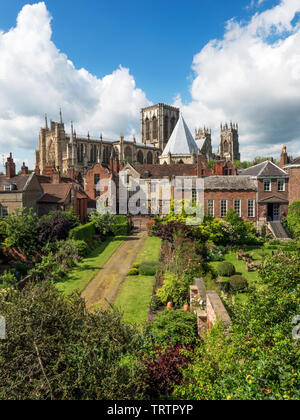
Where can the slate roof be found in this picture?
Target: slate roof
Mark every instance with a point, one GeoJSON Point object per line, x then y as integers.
{"type": "Point", "coordinates": [165, 171]}
{"type": "Point", "coordinates": [19, 181]}
{"type": "Point", "coordinates": [293, 162]}
{"type": "Point", "coordinates": [181, 141]}
{"type": "Point", "coordinates": [229, 183]}
{"type": "Point", "coordinates": [55, 193]}
{"type": "Point", "coordinates": [265, 169]}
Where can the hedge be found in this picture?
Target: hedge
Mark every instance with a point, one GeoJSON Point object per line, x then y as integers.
{"type": "Point", "coordinates": [83, 232]}
{"type": "Point", "coordinates": [122, 226]}
{"type": "Point", "coordinates": [226, 269]}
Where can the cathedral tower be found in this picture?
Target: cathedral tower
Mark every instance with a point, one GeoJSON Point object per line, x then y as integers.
{"type": "Point", "coordinates": [229, 145]}
{"type": "Point", "coordinates": [157, 124]}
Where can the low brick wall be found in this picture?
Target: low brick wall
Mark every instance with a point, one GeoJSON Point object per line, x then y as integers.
{"type": "Point", "coordinates": [215, 310]}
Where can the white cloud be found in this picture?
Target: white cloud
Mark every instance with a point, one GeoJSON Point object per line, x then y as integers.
{"type": "Point", "coordinates": [35, 77]}
{"type": "Point", "coordinates": [252, 76]}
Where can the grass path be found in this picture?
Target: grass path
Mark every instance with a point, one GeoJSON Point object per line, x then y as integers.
{"type": "Point", "coordinates": [86, 270]}
{"type": "Point", "coordinates": [136, 291]}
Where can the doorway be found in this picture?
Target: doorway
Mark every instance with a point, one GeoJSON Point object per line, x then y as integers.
{"type": "Point", "coordinates": [274, 212]}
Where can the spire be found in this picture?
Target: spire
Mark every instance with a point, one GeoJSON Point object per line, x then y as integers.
{"type": "Point", "coordinates": [60, 117]}
{"type": "Point", "coordinates": [72, 133]}
{"type": "Point", "coordinates": [46, 122]}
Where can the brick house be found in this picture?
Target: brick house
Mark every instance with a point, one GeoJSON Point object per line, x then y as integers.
{"type": "Point", "coordinates": [18, 191]}
{"type": "Point", "coordinates": [293, 169]}
{"type": "Point", "coordinates": [272, 191]}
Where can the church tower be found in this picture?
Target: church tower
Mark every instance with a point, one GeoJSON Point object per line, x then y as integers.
{"type": "Point", "coordinates": [229, 148]}
{"type": "Point", "coordinates": [157, 124]}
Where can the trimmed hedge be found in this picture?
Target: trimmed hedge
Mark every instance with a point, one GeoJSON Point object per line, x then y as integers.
{"type": "Point", "coordinates": [83, 232]}
{"type": "Point", "coordinates": [238, 283]}
{"type": "Point", "coordinates": [226, 269]}
{"type": "Point", "coordinates": [121, 227]}
{"type": "Point", "coordinates": [148, 268]}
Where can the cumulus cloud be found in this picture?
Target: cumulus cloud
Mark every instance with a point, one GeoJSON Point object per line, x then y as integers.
{"type": "Point", "coordinates": [35, 77]}
{"type": "Point", "coordinates": [252, 76]}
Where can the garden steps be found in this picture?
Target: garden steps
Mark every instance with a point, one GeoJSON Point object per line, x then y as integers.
{"type": "Point", "coordinates": [278, 231]}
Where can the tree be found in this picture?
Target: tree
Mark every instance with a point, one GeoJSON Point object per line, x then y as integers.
{"type": "Point", "coordinates": [293, 219]}
{"type": "Point", "coordinates": [55, 349]}
{"type": "Point", "coordinates": [21, 231]}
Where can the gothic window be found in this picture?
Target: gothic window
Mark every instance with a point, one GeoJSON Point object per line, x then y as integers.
{"type": "Point", "coordinates": [226, 146]}
{"type": "Point", "coordinates": [94, 153]}
{"type": "Point", "coordinates": [149, 158]}
{"type": "Point", "coordinates": [166, 128]}
{"type": "Point", "coordinates": [140, 157]}
{"type": "Point", "coordinates": [128, 154]}
{"type": "Point", "coordinates": [81, 153]}
{"type": "Point", "coordinates": [154, 128]}
{"type": "Point", "coordinates": [147, 129]}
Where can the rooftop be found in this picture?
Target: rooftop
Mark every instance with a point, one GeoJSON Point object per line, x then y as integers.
{"type": "Point", "coordinates": [181, 141]}
{"type": "Point", "coordinates": [264, 169]}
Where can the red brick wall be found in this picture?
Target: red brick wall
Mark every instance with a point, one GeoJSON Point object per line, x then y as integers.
{"type": "Point", "coordinates": [294, 184]}
{"type": "Point", "coordinates": [89, 185]}
{"type": "Point", "coordinates": [244, 196]}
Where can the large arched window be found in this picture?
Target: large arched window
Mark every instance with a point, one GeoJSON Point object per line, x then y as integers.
{"type": "Point", "coordinates": [149, 158]}
{"type": "Point", "coordinates": [147, 129]}
{"type": "Point", "coordinates": [140, 157]}
{"type": "Point", "coordinates": [154, 128]}
{"type": "Point", "coordinates": [128, 154]}
{"type": "Point", "coordinates": [226, 146]}
{"type": "Point", "coordinates": [173, 123]}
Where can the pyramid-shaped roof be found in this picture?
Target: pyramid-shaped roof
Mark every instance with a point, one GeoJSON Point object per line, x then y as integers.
{"type": "Point", "coordinates": [265, 169]}
{"type": "Point", "coordinates": [181, 141]}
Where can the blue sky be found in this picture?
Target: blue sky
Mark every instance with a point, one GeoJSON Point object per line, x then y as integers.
{"type": "Point", "coordinates": [101, 61]}
{"type": "Point", "coordinates": [156, 39]}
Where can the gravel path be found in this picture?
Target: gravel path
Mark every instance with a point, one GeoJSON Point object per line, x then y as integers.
{"type": "Point", "coordinates": [106, 285]}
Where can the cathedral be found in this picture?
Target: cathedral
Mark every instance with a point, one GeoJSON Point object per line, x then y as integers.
{"type": "Point", "coordinates": [165, 138]}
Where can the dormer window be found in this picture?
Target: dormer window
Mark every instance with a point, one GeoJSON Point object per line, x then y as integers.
{"type": "Point", "coordinates": [10, 187]}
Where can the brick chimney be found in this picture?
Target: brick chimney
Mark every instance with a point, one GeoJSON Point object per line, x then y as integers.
{"type": "Point", "coordinates": [116, 165]}
{"type": "Point", "coordinates": [284, 160]}
{"type": "Point", "coordinates": [24, 169]}
{"type": "Point", "coordinates": [10, 167]}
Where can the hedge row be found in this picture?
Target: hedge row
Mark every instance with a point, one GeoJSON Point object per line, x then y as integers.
{"type": "Point", "coordinates": [122, 226]}
{"type": "Point", "coordinates": [83, 232]}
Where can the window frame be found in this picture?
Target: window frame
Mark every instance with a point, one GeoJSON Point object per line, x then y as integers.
{"type": "Point", "coordinates": [251, 200]}
{"type": "Point", "coordinates": [221, 208]}
{"type": "Point", "coordinates": [269, 183]}
{"type": "Point", "coordinates": [281, 180]}
{"type": "Point", "coordinates": [211, 201]}
{"type": "Point", "coordinates": [240, 206]}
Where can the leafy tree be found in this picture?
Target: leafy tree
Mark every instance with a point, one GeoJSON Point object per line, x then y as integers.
{"type": "Point", "coordinates": [21, 231]}
{"type": "Point", "coordinates": [104, 223]}
{"type": "Point", "coordinates": [55, 349]}
{"type": "Point", "coordinates": [293, 219]}
{"type": "Point", "coordinates": [55, 227]}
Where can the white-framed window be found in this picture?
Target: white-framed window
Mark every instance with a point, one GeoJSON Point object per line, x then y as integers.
{"type": "Point", "coordinates": [237, 207]}
{"type": "Point", "coordinates": [251, 208]}
{"type": "Point", "coordinates": [267, 185]}
{"type": "Point", "coordinates": [281, 185]}
{"type": "Point", "coordinates": [194, 195]}
{"type": "Point", "coordinates": [3, 211]}
{"type": "Point", "coordinates": [153, 187]}
{"type": "Point", "coordinates": [224, 207]}
{"type": "Point", "coordinates": [211, 207]}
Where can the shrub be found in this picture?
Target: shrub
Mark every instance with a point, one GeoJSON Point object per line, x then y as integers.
{"type": "Point", "coordinates": [164, 370]}
{"type": "Point", "coordinates": [226, 269]}
{"type": "Point", "coordinates": [174, 289]}
{"type": "Point", "coordinates": [48, 270]}
{"type": "Point", "coordinates": [237, 283]}
{"type": "Point", "coordinates": [54, 227]}
{"type": "Point", "coordinates": [175, 326]}
{"type": "Point", "coordinates": [293, 219]}
{"type": "Point", "coordinates": [148, 268]}
{"type": "Point", "coordinates": [121, 229]}
{"type": "Point", "coordinates": [8, 279]}
{"type": "Point", "coordinates": [133, 272]}
{"type": "Point", "coordinates": [70, 252]}
{"type": "Point", "coordinates": [83, 233]}
{"type": "Point", "coordinates": [136, 265]}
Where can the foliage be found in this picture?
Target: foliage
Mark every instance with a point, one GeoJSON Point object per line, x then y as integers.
{"type": "Point", "coordinates": [237, 283]}
{"type": "Point", "coordinates": [174, 289]}
{"type": "Point", "coordinates": [110, 224]}
{"type": "Point", "coordinates": [69, 252]}
{"type": "Point", "coordinates": [136, 265]}
{"type": "Point", "coordinates": [172, 326]}
{"type": "Point", "coordinates": [83, 233]}
{"type": "Point", "coordinates": [259, 359]}
{"type": "Point", "coordinates": [8, 279]}
{"type": "Point", "coordinates": [48, 271]}
{"type": "Point", "coordinates": [164, 369]}
{"type": "Point", "coordinates": [55, 349]}
{"type": "Point", "coordinates": [170, 230]}
{"type": "Point", "coordinates": [148, 268]}
{"type": "Point", "coordinates": [226, 269]}
{"type": "Point", "coordinates": [214, 252]}
{"type": "Point", "coordinates": [293, 219]}
{"type": "Point", "coordinates": [21, 231]}
{"type": "Point", "coordinates": [54, 227]}
{"type": "Point", "coordinates": [121, 226]}
{"type": "Point", "coordinates": [133, 272]}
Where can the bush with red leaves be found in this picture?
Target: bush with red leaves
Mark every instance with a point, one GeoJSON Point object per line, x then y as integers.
{"type": "Point", "coordinates": [164, 369]}
{"type": "Point", "coordinates": [170, 230]}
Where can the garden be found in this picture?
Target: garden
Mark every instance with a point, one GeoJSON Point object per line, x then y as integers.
{"type": "Point", "coordinates": [147, 345]}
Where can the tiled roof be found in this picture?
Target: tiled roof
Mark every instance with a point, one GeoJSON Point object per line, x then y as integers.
{"type": "Point", "coordinates": [181, 141]}
{"type": "Point", "coordinates": [19, 181]}
{"type": "Point", "coordinates": [293, 162]}
{"type": "Point", "coordinates": [265, 169]}
{"type": "Point", "coordinates": [165, 171]}
{"type": "Point", "coordinates": [229, 183]}
{"type": "Point", "coordinates": [55, 193]}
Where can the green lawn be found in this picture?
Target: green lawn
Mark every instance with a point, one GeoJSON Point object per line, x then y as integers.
{"type": "Point", "coordinates": [135, 294]}
{"type": "Point", "coordinates": [240, 266]}
{"type": "Point", "coordinates": [86, 270]}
